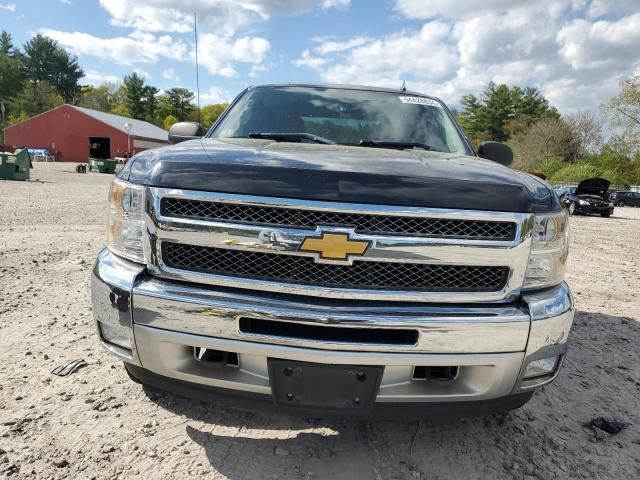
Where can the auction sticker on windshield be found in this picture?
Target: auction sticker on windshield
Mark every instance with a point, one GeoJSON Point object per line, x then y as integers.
{"type": "Point", "coordinates": [419, 101]}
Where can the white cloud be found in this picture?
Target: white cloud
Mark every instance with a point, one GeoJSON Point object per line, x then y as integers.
{"type": "Point", "coordinates": [307, 60]}
{"type": "Point", "coordinates": [602, 44]}
{"type": "Point", "coordinates": [257, 70]}
{"type": "Point", "coordinates": [9, 7]}
{"type": "Point", "coordinates": [333, 47]}
{"type": "Point", "coordinates": [335, 3]}
{"type": "Point", "coordinates": [222, 16]}
{"type": "Point", "coordinates": [218, 54]}
{"type": "Point", "coordinates": [136, 48]}
{"type": "Point", "coordinates": [563, 47]}
{"type": "Point", "coordinates": [92, 77]}
{"type": "Point", "coordinates": [424, 53]}
{"type": "Point", "coordinates": [143, 73]}
{"type": "Point", "coordinates": [170, 74]}
{"type": "Point", "coordinates": [215, 95]}
{"type": "Point", "coordinates": [425, 9]}
{"type": "Point", "coordinates": [66, 2]}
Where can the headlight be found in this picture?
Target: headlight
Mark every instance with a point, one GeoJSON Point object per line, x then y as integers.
{"type": "Point", "coordinates": [125, 225]}
{"type": "Point", "coordinates": [549, 250]}
{"type": "Point", "coordinates": [611, 204]}
{"type": "Point", "coordinates": [583, 202]}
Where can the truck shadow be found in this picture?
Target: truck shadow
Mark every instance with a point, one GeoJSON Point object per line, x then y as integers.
{"type": "Point", "coordinates": [600, 377]}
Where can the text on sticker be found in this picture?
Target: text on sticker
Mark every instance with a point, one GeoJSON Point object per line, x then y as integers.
{"type": "Point", "coordinates": [419, 101]}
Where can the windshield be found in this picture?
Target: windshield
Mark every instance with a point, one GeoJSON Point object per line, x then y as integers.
{"type": "Point", "coordinates": [343, 116]}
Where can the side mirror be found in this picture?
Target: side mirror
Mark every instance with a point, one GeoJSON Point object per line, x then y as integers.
{"type": "Point", "coordinates": [182, 131]}
{"type": "Point", "coordinates": [496, 151]}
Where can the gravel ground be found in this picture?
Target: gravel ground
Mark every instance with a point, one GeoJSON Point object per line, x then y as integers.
{"type": "Point", "coordinates": [96, 423]}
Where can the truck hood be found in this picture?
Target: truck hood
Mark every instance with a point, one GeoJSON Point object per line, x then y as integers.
{"type": "Point", "coordinates": [340, 173]}
{"type": "Point", "coordinates": [594, 187]}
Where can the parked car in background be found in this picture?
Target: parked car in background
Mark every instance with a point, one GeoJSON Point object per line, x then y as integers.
{"type": "Point", "coordinates": [590, 196]}
{"type": "Point", "coordinates": [625, 198]}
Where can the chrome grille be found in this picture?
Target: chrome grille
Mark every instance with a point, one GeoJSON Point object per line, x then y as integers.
{"type": "Point", "coordinates": [361, 275]}
{"type": "Point", "coordinates": [362, 223]}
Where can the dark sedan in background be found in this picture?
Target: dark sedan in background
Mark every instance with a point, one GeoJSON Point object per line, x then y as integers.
{"type": "Point", "coordinates": [590, 196]}
{"type": "Point", "coordinates": [625, 198]}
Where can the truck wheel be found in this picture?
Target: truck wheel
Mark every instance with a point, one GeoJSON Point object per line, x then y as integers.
{"type": "Point", "coordinates": [621, 204]}
{"type": "Point", "coordinates": [572, 208]}
{"type": "Point", "coordinates": [606, 215]}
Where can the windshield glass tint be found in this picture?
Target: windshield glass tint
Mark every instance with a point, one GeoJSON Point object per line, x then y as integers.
{"type": "Point", "coordinates": [344, 116]}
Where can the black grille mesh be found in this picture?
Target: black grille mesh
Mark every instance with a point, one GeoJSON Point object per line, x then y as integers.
{"type": "Point", "coordinates": [360, 275]}
{"type": "Point", "coordinates": [362, 223]}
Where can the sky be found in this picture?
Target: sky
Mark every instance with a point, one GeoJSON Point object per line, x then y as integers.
{"type": "Point", "coordinates": [575, 51]}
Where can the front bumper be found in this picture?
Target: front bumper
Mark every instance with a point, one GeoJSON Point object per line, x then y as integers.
{"type": "Point", "coordinates": [490, 344]}
{"type": "Point", "coordinates": [597, 209]}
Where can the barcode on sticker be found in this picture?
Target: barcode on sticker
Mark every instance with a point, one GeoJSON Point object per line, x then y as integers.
{"type": "Point", "coordinates": [419, 101]}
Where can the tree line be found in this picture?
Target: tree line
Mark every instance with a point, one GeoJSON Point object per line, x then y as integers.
{"type": "Point", "coordinates": [42, 75]}
{"type": "Point", "coordinates": [565, 148]}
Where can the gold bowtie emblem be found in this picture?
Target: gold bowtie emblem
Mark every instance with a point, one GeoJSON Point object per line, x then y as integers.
{"type": "Point", "coordinates": [334, 246]}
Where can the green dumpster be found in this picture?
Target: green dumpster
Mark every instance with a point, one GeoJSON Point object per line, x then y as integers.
{"type": "Point", "coordinates": [102, 165]}
{"type": "Point", "coordinates": [15, 163]}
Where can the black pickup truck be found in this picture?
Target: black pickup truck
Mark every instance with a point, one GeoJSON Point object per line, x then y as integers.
{"type": "Point", "coordinates": [335, 249]}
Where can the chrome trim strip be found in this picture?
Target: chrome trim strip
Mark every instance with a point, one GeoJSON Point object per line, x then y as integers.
{"type": "Point", "coordinates": [442, 329]}
{"type": "Point", "coordinates": [513, 254]}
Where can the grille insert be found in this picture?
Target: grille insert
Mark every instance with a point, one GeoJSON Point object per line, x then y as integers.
{"type": "Point", "coordinates": [362, 223]}
{"type": "Point", "coordinates": [302, 331]}
{"type": "Point", "coordinates": [361, 275]}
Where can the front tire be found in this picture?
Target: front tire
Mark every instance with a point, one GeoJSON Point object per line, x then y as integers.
{"type": "Point", "coordinates": [606, 215]}
{"type": "Point", "coordinates": [621, 204]}
{"type": "Point", "coordinates": [572, 208]}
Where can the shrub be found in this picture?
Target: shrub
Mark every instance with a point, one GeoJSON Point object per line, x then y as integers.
{"type": "Point", "coordinates": [574, 173]}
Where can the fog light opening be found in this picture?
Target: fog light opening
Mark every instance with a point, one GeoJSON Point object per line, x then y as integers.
{"type": "Point", "coordinates": [541, 368]}
{"type": "Point", "coordinates": [438, 373]}
{"type": "Point", "coordinates": [218, 358]}
{"type": "Point", "coordinates": [117, 335]}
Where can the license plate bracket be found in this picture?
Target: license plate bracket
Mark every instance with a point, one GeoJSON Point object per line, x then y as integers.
{"type": "Point", "coordinates": [322, 387]}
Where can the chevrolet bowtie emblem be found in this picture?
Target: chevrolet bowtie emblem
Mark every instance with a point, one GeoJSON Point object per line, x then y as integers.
{"type": "Point", "coordinates": [334, 246]}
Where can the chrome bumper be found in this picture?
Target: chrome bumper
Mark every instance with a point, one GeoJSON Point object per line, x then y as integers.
{"type": "Point", "coordinates": [490, 344]}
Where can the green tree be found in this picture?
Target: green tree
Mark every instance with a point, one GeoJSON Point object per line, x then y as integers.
{"type": "Point", "coordinates": [168, 121]}
{"type": "Point", "coordinates": [133, 86]}
{"type": "Point", "coordinates": [45, 60]}
{"type": "Point", "coordinates": [624, 110]}
{"type": "Point", "coordinates": [11, 77]}
{"type": "Point", "coordinates": [140, 100]}
{"type": "Point", "coordinates": [177, 102]}
{"type": "Point", "coordinates": [500, 112]}
{"type": "Point", "coordinates": [96, 98]}
{"type": "Point", "coordinates": [150, 102]}
{"type": "Point", "coordinates": [36, 98]}
{"type": "Point", "coordinates": [469, 116]}
{"type": "Point", "coordinates": [6, 45]}
{"type": "Point", "coordinates": [210, 113]}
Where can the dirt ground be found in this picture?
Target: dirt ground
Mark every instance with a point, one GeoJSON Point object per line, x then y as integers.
{"type": "Point", "coordinates": [96, 423]}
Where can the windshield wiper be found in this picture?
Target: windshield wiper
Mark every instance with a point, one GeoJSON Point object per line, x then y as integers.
{"type": "Point", "coordinates": [397, 145]}
{"type": "Point", "coordinates": [287, 137]}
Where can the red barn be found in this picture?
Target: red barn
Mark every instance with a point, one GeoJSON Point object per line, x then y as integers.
{"type": "Point", "coordinates": [73, 134]}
